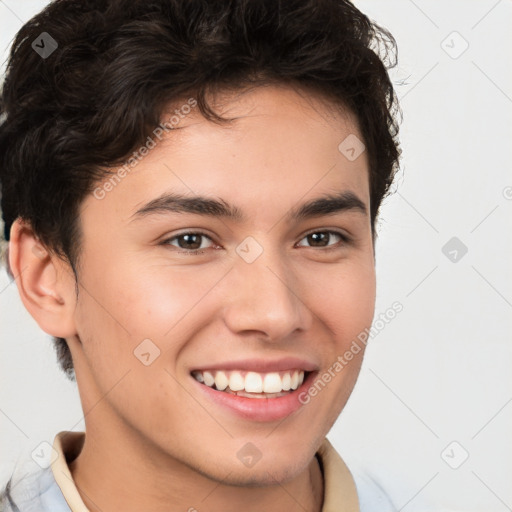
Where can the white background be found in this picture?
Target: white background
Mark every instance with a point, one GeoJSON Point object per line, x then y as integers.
{"type": "Point", "coordinates": [441, 370]}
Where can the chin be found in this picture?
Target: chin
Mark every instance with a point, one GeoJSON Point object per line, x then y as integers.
{"type": "Point", "coordinates": [265, 475]}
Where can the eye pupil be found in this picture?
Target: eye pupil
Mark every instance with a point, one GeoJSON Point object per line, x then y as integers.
{"type": "Point", "coordinates": [315, 237]}
{"type": "Point", "coordinates": [187, 237]}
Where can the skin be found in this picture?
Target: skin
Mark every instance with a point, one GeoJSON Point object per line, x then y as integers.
{"type": "Point", "coordinates": [152, 438]}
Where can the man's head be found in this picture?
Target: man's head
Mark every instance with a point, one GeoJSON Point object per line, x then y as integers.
{"type": "Point", "coordinates": [105, 139]}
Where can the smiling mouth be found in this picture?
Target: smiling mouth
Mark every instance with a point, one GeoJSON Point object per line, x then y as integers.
{"type": "Point", "coordinates": [252, 384]}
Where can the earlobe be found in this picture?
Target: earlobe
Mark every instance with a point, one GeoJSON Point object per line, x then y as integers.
{"type": "Point", "coordinates": [45, 286]}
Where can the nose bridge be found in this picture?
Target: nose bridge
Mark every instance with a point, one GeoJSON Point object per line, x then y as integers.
{"type": "Point", "coordinates": [264, 293]}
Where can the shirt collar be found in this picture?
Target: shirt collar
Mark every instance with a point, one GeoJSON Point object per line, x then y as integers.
{"type": "Point", "coordinates": [68, 445]}
{"type": "Point", "coordinates": [340, 493]}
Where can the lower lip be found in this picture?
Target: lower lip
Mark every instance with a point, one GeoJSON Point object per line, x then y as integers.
{"type": "Point", "coordinates": [259, 409]}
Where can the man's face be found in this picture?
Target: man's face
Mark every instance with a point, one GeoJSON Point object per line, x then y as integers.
{"type": "Point", "coordinates": [267, 294]}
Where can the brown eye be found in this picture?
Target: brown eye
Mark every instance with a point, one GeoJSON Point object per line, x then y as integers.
{"type": "Point", "coordinates": [322, 238]}
{"type": "Point", "coordinates": [189, 242]}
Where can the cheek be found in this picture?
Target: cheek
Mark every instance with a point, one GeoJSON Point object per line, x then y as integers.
{"type": "Point", "coordinates": [144, 300]}
{"type": "Point", "coordinates": [132, 307]}
{"type": "Point", "coordinates": [131, 303]}
{"type": "Point", "coordinates": [348, 305]}
{"type": "Point", "coordinates": [120, 319]}
{"type": "Point", "coordinates": [345, 301]}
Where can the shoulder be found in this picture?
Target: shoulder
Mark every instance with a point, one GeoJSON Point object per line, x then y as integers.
{"type": "Point", "coordinates": [371, 495]}
{"type": "Point", "coordinates": [32, 490]}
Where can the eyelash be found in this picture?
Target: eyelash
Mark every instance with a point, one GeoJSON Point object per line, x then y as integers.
{"type": "Point", "coordinates": [344, 240]}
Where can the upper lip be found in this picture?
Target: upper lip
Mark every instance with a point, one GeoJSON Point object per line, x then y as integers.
{"type": "Point", "coordinates": [262, 365]}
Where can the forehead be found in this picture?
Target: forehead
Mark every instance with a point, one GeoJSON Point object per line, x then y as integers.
{"type": "Point", "coordinates": [263, 110]}
{"type": "Point", "coordinates": [283, 146]}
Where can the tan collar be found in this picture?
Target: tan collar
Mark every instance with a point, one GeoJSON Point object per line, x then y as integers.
{"type": "Point", "coordinates": [340, 493]}
{"type": "Point", "coordinates": [68, 446]}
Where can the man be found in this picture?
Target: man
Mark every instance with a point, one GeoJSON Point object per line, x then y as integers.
{"type": "Point", "coordinates": [190, 191]}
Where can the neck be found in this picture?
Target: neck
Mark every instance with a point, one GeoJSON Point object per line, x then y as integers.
{"type": "Point", "coordinates": [113, 475]}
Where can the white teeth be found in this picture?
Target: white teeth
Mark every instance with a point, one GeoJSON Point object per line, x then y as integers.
{"type": "Point", "coordinates": [221, 381]}
{"type": "Point", "coordinates": [208, 379]}
{"type": "Point", "coordinates": [272, 383]}
{"type": "Point", "coordinates": [236, 381]}
{"type": "Point", "coordinates": [253, 382]}
{"type": "Point", "coordinates": [245, 383]}
{"type": "Point", "coordinates": [295, 380]}
{"type": "Point", "coordinates": [287, 382]}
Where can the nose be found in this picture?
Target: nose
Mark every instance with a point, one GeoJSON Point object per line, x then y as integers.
{"type": "Point", "coordinates": [264, 297]}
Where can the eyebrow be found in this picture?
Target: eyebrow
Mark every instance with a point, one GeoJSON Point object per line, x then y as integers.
{"type": "Point", "coordinates": [327, 204]}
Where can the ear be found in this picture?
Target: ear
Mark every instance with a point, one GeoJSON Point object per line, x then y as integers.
{"type": "Point", "coordinates": [46, 284]}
